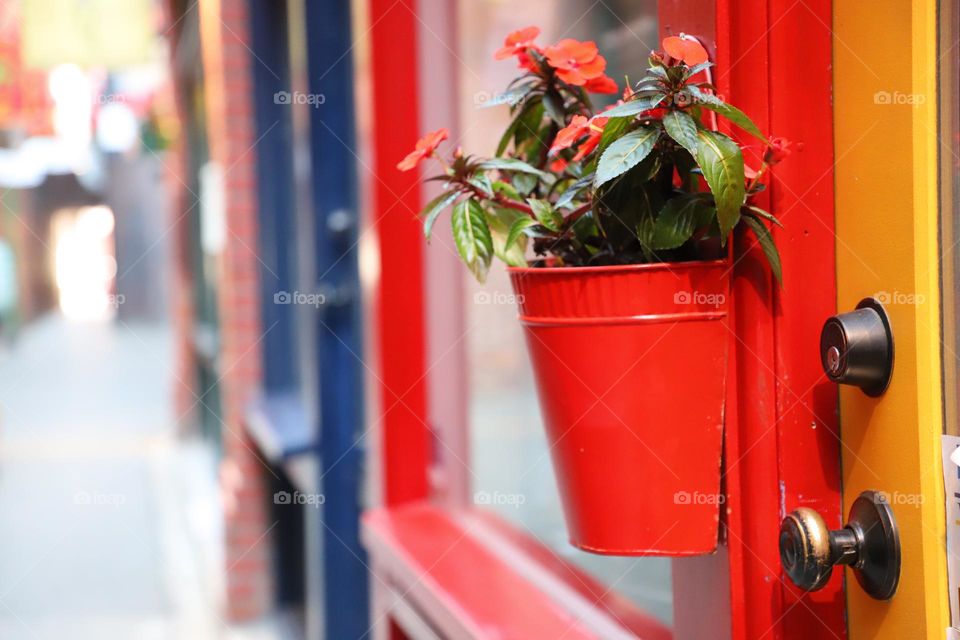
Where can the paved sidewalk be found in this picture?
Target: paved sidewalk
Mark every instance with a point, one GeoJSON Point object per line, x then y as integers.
{"type": "Point", "coordinates": [109, 524]}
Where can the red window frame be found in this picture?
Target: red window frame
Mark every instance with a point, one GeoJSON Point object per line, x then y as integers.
{"type": "Point", "coordinates": [781, 419]}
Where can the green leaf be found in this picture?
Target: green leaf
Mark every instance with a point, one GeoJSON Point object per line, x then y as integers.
{"type": "Point", "coordinates": [626, 207]}
{"type": "Point", "coordinates": [507, 189]}
{"type": "Point", "coordinates": [553, 104]}
{"type": "Point", "coordinates": [657, 72]}
{"type": "Point", "coordinates": [648, 169]}
{"type": "Point", "coordinates": [567, 196]}
{"type": "Point", "coordinates": [626, 152]}
{"type": "Point", "coordinates": [511, 164]}
{"type": "Point", "coordinates": [530, 123]}
{"type": "Point", "coordinates": [611, 131]}
{"type": "Point", "coordinates": [721, 162]}
{"type": "Point", "coordinates": [676, 74]}
{"type": "Point", "coordinates": [647, 87]}
{"type": "Point", "coordinates": [697, 68]}
{"type": "Point", "coordinates": [533, 145]}
{"type": "Point", "coordinates": [434, 208]}
{"type": "Point", "coordinates": [647, 202]}
{"type": "Point", "coordinates": [678, 219]}
{"type": "Point", "coordinates": [472, 237]}
{"type": "Point", "coordinates": [682, 128]}
{"type": "Point", "coordinates": [634, 107]}
{"type": "Point", "coordinates": [766, 243]}
{"type": "Point", "coordinates": [766, 215]}
{"type": "Point", "coordinates": [702, 97]}
{"type": "Point", "coordinates": [508, 134]}
{"type": "Point", "coordinates": [501, 221]}
{"type": "Point", "coordinates": [545, 213]}
{"type": "Point", "coordinates": [524, 182]}
{"type": "Point", "coordinates": [520, 127]}
{"type": "Point", "coordinates": [645, 230]}
{"type": "Point", "coordinates": [516, 230]}
{"type": "Point", "coordinates": [482, 182]}
{"type": "Point", "coordinates": [737, 117]}
{"type": "Point", "coordinates": [585, 228]}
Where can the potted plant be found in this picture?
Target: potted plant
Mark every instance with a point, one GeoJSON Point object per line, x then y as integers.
{"type": "Point", "coordinates": [615, 228]}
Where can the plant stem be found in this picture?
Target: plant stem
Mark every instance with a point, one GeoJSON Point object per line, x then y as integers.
{"type": "Point", "coordinates": [507, 203]}
{"type": "Point", "coordinates": [500, 199]}
{"type": "Point", "coordinates": [753, 183]}
{"type": "Point", "coordinates": [545, 150]}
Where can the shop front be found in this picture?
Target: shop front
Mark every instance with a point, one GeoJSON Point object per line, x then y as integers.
{"type": "Point", "coordinates": [811, 503]}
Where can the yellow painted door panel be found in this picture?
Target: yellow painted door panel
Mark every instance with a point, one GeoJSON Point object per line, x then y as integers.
{"type": "Point", "coordinates": [886, 144]}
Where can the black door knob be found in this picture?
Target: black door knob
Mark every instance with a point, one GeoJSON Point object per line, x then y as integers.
{"type": "Point", "coordinates": [856, 347]}
{"type": "Point", "coordinates": [869, 544]}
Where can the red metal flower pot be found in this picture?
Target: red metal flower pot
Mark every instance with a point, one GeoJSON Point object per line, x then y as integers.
{"type": "Point", "coordinates": [630, 364]}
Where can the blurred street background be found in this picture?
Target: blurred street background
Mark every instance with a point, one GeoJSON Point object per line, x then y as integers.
{"type": "Point", "coordinates": [111, 520]}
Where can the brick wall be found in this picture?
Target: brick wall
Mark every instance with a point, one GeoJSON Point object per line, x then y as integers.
{"type": "Point", "coordinates": [229, 84]}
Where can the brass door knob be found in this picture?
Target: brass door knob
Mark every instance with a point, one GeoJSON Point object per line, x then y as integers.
{"type": "Point", "coordinates": [869, 544]}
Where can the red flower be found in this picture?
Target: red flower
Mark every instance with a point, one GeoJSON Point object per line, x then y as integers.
{"type": "Point", "coordinates": [685, 49]}
{"type": "Point", "coordinates": [424, 149]}
{"type": "Point", "coordinates": [595, 131]}
{"type": "Point", "coordinates": [559, 165]}
{"type": "Point", "coordinates": [580, 126]}
{"type": "Point", "coordinates": [525, 60]}
{"type": "Point", "coordinates": [601, 84]}
{"type": "Point", "coordinates": [567, 136]}
{"type": "Point", "coordinates": [779, 149]}
{"type": "Point", "coordinates": [576, 62]}
{"type": "Point", "coordinates": [517, 43]}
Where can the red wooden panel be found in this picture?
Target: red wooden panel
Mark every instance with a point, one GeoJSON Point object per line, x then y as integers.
{"type": "Point", "coordinates": [803, 196]}
{"type": "Point", "coordinates": [801, 83]}
{"type": "Point", "coordinates": [696, 17]}
{"type": "Point", "coordinates": [743, 79]}
{"type": "Point", "coordinates": [396, 201]}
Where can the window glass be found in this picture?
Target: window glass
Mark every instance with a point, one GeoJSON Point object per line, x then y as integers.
{"type": "Point", "coordinates": [511, 465]}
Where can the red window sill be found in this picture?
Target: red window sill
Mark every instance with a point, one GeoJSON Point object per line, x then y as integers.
{"type": "Point", "coordinates": [468, 574]}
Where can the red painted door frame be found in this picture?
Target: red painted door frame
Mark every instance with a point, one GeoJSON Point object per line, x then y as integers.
{"type": "Point", "coordinates": [400, 313]}
{"type": "Point", "coordinates": [782, 447]}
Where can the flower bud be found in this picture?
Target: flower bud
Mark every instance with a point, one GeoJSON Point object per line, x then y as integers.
{"type": "Point", "coordinates": [779, 149]}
